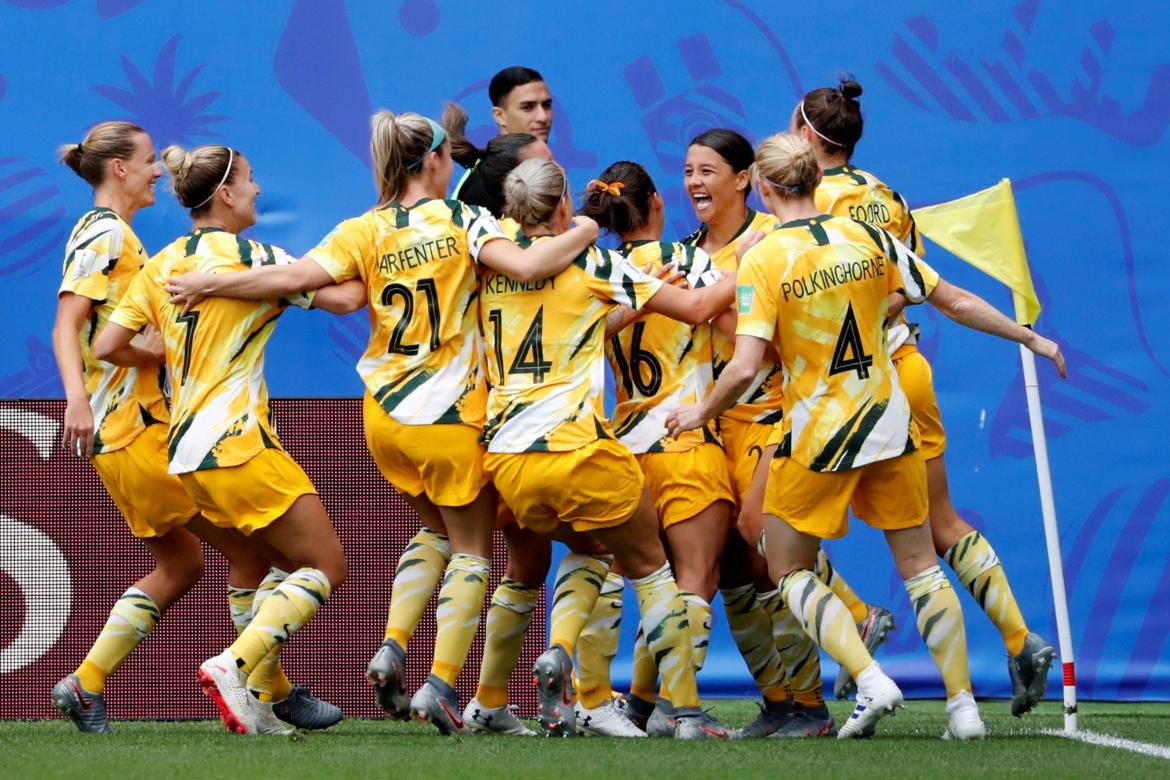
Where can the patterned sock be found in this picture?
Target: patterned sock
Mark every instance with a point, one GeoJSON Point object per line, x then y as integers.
{"type": "Point", "coordinates": [940, 621]}
{"type": "Point", "coordinates": [751, 628]}
{"type": "Point", "coordinates": [664, 616]}
{"type": "Point", "coordinates": [457, 615]}
{"type": "Point", "coordinates": [578, 585]}
{"type": "Point", "coordinates": [978, 569]}
{"type": "Point", "coordinates": [419, 570]}
{"type": "Point", "coordinates": [645, 673]}
{"type": "Point", "coordinates": [133, 616]}
{"type": "Point", "coordinates": [699, 630]}
{"type": "Point", "coordinates": [240, 606]}
{"type": "Point", "coordinates": [598, 644]}
{"type": "Point", "coordinates": [507, 621]}
{"type": "Point", "coordinates": [801, 656]}
{"type": "Point", "coordinates": [831, 577]}
{"type": "Point", "coordinates": [289, 607]}
{"type": "Point", "coordinates": [268, 681]}
{"type": "Point", "coordinates": [825, 619]}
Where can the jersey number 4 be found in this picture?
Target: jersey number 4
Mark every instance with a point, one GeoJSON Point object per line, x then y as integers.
{"type": "Point", "coordinates": [849, 354]}
{"type": "Point", "coordinates": [530, 356]}
{"type": "Point", "coordinates": [401, 291]}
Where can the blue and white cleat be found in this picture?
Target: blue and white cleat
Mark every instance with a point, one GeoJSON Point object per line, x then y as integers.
{"type": "Point", "coordinates": [874, 630]}
{"type": "Point", "coordinates": [305, 711]}
{"type": "Point", "coordinates": [963, 721]}
{"type": "Point", "coordinates": [877, 697]}
{"type": "Point", "coordinates": [87, 710]}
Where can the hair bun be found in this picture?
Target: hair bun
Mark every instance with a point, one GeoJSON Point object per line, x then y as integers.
{"type": "Point", "coordinates": [850, 89]}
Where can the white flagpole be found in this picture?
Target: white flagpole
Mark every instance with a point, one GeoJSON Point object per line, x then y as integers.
{"type": "Point", "coordinates": [1052, 539]}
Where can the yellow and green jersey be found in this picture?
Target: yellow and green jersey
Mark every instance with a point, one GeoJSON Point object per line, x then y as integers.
{"type": "Point", "coordinates": [762, 401]}
{"type": "Point", "coordinates": [215, 351]}
{"type": "Point", "coordinates": [102, 257]}
{"type": "Point", "coordinates": [419, 263]}
{"type": "Point", "coordinates": [545, 344]}
{"type": "Point", "coordinates": [851, 192]}
{"type": "Point", "coordinates": [818, 289]}
{"type": "Point", "coordinates": [660, 363]}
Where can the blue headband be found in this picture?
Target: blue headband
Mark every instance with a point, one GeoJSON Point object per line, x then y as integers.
{"type": "Point", "coordinates": [438, 135]}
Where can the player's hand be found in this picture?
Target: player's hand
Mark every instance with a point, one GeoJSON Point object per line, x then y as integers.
{"type": "Point", "coordinates": [750, 239]}
{"type": "Point", "coordinates": [1049, 349]}
{"type": "Point", "coordinates": [588, 224]}
{"type": "Point", "coordinates": [667, 274]}
{"type": "Point", "coordinates": [685, 418]}
{"type": "Point", "coordinates": [77, 436]}
{"type": "Point", "coordinates": [188, 289]}
{"type": "Point", "coordinates": [151, 341]}
{"type": "Point", "coordinates": [897, 301]}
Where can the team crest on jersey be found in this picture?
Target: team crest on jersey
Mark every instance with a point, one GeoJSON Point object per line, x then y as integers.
{"type": "Point", "coordinates": [744, 294]}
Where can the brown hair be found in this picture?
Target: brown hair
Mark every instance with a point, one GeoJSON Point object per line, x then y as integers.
{"type": "Point", "coordinates": [198, 174]}
{"type": "Point", "coordinates": [533, 190]}
{"type": "Point", "coordinates": [787, 162]}
{"type": "Point", "coordinates": [628, 208]}
{"type": "Point", "coordinates": [105, 141]}
{"type": "Point", "coordinates": [397, 145]}
{"type": "Point", "coordinates": [834, 115]}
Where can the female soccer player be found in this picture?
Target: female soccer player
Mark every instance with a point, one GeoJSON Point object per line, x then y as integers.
{"type": "Point", "coordinates": [490, 164]}
{"type": "Point", "coordinates": [221, 442]}
{"type": "Point", "coordinates": [117, 416]}
{"type": "Point", "coordinates": [417, 255]}
{"type": "Point", "coordinates": [830, 119]}
{"type": "Point", "coordinates": [660, 362]}
{"type": "Point", "coordinates": [818, 289]}
{"type": "Point", "coordinates": [717, 178]}
{"type": "Point", "coordinates": [551, 453]}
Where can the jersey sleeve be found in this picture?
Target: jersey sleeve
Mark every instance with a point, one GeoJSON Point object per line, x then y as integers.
{"type": "Point", "coordinates": [907, 228]}
{"type": "Point", "coordinates": [482, 227]}
{"type": "Point", "coordinates": [698, 266]}
{"type": "Point", "coordinates": [909, 274]}
{"type": "Point", "coordinates": [88, 265]}
{"type": "Point", "coordinates": [342, 252]}
{"type": "Point", "coordinates": [135, 310]}
{"type": "Point", "coordinates": [755, 297]}
{"type": "Point", "coordinates": [612, 277]}
{"type": "Point", "coordinates": [274, 255]}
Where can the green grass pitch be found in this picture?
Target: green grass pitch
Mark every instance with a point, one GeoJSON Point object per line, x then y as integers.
{"type": "Point", "coordinates": [907, 745]}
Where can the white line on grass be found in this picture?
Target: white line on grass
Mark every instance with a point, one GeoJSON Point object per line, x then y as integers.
{"type": "Point", "coordinates": [1105, 740]}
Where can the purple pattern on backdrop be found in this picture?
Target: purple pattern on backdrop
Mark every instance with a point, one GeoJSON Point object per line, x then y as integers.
{"type": "Point", "coordinates": [32, 217]}
{"type": "Point", "coordinates": [419, 17]}
{"type": "Point", "coordinates": [39, 377]}
{"type": "Point", "coordinates": [163, 107]}
{"type": "Point", "coordinates": [3, 86]}
{"type": "Point", "coordinates": [1082, 99]}
{"type": "Point", "coordinates": [108, 9]}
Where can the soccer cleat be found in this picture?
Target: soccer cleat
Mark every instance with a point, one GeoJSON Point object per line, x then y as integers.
{"type": "Point", "coordinates": [636, 710]}
{"type": "Point", "coordinates": [963, 721]}
{"type": "Point", "coordinates": [877, 697]}
{"type": "Point", "coordinates": [809, 722]}
{"type": "Point", "coordinates": [436, 702]}
{"type": "Point", "coordinates": [221, 680]}
{"type": "Point", "coordinates": [1029, 673]}
{"type": "Point", "coordinates": [663, 721]}
{"type": "Point", "coordinates": [774, 715]}
{"type": "Point", "coordinates": [305, 711]}
{"type": "Point", "coordinates": [874, 630]}
{"type": "Point", "coordinates": [698, 725]}
{"type": "Point", "coordinates": [552, 674]}
{"type": "Point", "coordinates": [605, 721]}
{"type": "Point", "coordinates": [265, 721]}
{"type": "Point", "coordinates": [87, 710]}
{"type": "Point", "coordinates": [500, 720]}
{"type": "Point", "coordinates": [387, 672]}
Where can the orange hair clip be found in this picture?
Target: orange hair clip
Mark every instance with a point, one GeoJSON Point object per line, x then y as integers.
{"type": "Point", "coordinates": [613, 188]}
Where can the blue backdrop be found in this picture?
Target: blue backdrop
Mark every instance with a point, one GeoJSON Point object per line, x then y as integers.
{"type": "Point", "coordinates": [1070, 100]}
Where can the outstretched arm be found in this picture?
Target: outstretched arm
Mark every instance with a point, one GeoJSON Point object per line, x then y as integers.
{"type": "Point", "coordinates": [735, 378]}
{"type": "Point", "coordinates": [257, 284]}
{"type": "Point", "coordinates": [543, 258]}
{"type": "Point", "coordinates": [113, 345]}
{"type": "Point", "coordinates": [344, 298]}
{"type": "Point", "coordinates": [967, 308]}
{"type": "Point", "coordinates": [693, 307]}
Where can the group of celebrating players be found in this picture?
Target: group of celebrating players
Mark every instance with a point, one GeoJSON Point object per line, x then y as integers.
{"type": "Point", "coordinates": [767, 382]}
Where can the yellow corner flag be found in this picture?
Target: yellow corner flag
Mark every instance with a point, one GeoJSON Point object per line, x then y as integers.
{"type": "Point", "coordinates": [984, 230]}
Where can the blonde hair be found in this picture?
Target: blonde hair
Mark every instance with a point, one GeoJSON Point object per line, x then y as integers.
{"type": "Point", "coordinates": [397, 145]}
{"type": "Point", "coordinates": [533, 190]}
{"type": "Point", "coordinates": [788, 163]}
{"type": "Point", "coordinates": [105, 141]}
{"type": "Point", "coordinates": [196, 175]}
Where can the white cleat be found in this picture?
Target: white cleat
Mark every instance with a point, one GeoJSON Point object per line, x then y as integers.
{"type": "Point", "coordinates": [499, 720]}
{"type": "Point", "coordinates": [877, 697]}
{"type": "Point", "coordinates": [221, 680]}
{"type": "Point", "coordinates": [963, 721]}
{"type": "Point", "coordinates": [265, 720]}
{"type": "Point", "coordinates": [605, 721]}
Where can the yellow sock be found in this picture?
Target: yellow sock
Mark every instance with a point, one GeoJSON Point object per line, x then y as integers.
{"type": "Point", "coordinates": [457, 615]}
{"type": "Point", "coordinates": [289, 607]}
{"type": "Point", "coordinates": [825, 619]}
{"type": "Point", "coordinates": [978, 569]}
{"type": "Point", "coordinates": [240, 606]}
{"type": "Point", "coordinates": [831, 577]}
{"type": "Point", "coordinates": [419, 570]}
{"type": "Point", "coordinates": [645, 673]}
{"type": "Point", "coordinates": [578, 584]}
{"type": "Point", "coordinates": [698, 629]}
{"type": "Point", "coordinates": [800, 655]}
{"type": "Point", "coordinates": [751, 628]}
{"type": "Point", "coordinates": [267, 681]}
{"type": "Point", "coordinates": [133, 616]}
{"type": "Point", "coordinates": [598, 644]}
{"type": "Point", "coordinates": [940, 621]}
{"type": "Point", "coordinates": [664, 616]}
{"type": "Point", "coordinates": [507, 621]}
